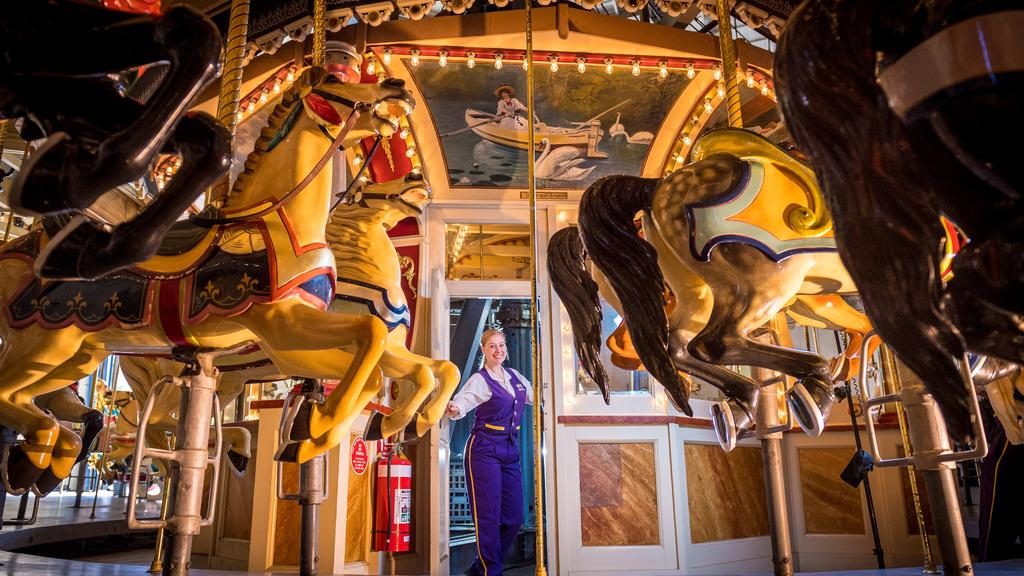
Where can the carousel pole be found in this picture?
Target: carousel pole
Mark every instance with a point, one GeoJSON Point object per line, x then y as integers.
{"type": "Point", "coordinates": [891, 380]}
{"type": "Point", "coordinates": [538, 415]}
{"type": "Point", "coordinates": [158, 554]}
{"type": "Point", "coordinates": [728, 49]}
{"type": "Point", "coordinates": [231, 81]}
{"type": "Point", "coordinates": [10, 214]}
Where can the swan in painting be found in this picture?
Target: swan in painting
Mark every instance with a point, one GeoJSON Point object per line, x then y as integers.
{"type": "Point", "coordinates": [617, 129]}
{"type": "Point", "coordinates": [560, 163]}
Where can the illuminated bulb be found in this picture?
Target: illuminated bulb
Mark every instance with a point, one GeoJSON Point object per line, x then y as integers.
{"type": "Point", "coordinates": [357, 160]}
{"type": "Point", "coordinates": [277, 86]}
{"type": "Point", "coordinates": [410, 152]}
{"type": "Point", "coordinates": [240, 115]}
{"type": "Point", "coordinates": [608, 65]}
{"type": "Point", "coordinates": [404, 133]}
{"type": "Point", "coordinates": [636, 67]}
{"type": "Point", "coordinates": [679, 158]}
{"type": "Point", "coordinates": [554, 62]}
{"type": "Point", "coordinates": [526, 63]}
{"type": "Point", "coordinates": [663, 69]}
{"type": "Point", "coordinates": [750, 78]}
{"type": "Point", "coordinates": [687, 140]}
{"type": "Point", "coordinates": [721, 89]}
{"type": "Point", "coordinates": [581, 64]}
{"type": "Point", "coordinates": [708, 107]}
{"type": "Point", "coordinates": [415, 60]}
{"type": "Point", "coordinates": [291, 75]}
{"type": "Point", "coordinates": [562, 216]}
{"type": "Point", "coordinates": [764, 88]}
{"type": "Point", "coordinates": [498, 60]}
{"type": "Point", "coordinates": [263, 97]}
{"type": "Point", "coordinates": [470, 59]}
{"type": "Point", "coordinates": [690, 71]}
{"type": "Point", "coordinates": [442, 58]}
{"type": "Point", "coordinates": [387, 57]}
{"type": "Point", "coordinates": [718, 72]}
{"type": "Point", "coordinates": [371, 67]}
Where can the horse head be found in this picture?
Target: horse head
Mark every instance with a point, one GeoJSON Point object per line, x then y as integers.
{"type": "Point", "coordinates": [332, 101]}
{"type": "Point", "coordinates": [396, 199]}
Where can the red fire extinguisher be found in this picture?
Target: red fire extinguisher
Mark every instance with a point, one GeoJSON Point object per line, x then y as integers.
{"type": "Point", "coordinates": [392, 525]}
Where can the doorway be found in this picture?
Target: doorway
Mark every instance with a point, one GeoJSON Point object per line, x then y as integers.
{"type": "Point", "coordinates": [468, 318]}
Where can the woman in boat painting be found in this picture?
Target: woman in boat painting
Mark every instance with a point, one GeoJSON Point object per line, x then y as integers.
{"type": "Point", "coordinates": [511, 111]}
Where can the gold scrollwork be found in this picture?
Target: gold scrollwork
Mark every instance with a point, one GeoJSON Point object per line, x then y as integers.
{"type": "Point", "coordinates": [408, 268]}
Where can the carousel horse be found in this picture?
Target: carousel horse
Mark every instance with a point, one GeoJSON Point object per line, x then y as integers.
{"type": "Point", "coordinates": [579, 289]}
{"type": "Point", "coordinates": [899, 106]}
{"type": "Point", "coordinates": [368, 283]}
{"type": "Point", "coordinates": [65, 405]}
{"type": "Point", "coordinates": [739, 233]}
{"type": "Point", "coordinates": [257, 270]}
{"type": "Point", "coordinates": [70, 88]}
{"type": "Point", "coordinates": [117, 442]}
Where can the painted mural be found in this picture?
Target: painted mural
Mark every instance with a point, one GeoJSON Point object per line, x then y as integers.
{"type": "Point", "coordinates": [760, 114]}
{"type": "Point", "coordinates": [589, 124]}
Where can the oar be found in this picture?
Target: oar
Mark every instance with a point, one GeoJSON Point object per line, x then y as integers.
{"type": "Point", "coordinates": [470, 127]}
{"type": "Point", "coordinates": [602, 113]}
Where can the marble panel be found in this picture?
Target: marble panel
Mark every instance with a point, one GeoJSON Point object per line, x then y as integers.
{"type": "Point", "coordinates": [725, 493]}
{"type": "Point", "coordinates": [358, 517]}
{"type": "Point", "coordinates": [831, 506]}
{"type": "Point", "coordinates": [287, 532]}
{"type": "Point", "coordinates": [619, 498]}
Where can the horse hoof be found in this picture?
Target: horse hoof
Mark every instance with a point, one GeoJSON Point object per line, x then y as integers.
{"type": "Point", "coordinates": [730, 422]}
{"type": "Point", "coordinates": [46, 482]}
{"type": "Point", "coordinates": [373, 431]}
{"type": "Point", "coordinates": [92, 424]}
{"type": "Point", "coordinates": [810, 402]}
{"type": "Point", "coordinates": [60, 259]}
{"type": "Point", "coordinates": [39, 187]}
{"type": "Point", "coordinates": [238, 463]}
{"type": "Point", "coordinates": [19, 473]}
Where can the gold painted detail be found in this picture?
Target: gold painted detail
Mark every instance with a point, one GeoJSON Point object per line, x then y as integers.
{"type": "Point", "coordinates": [243, 240]}
{"type": "Point", "coordinates": [409, 273]}
{"type": "Point", "coordinates": [386, 143]}
{"type": "Point", "coordinates": [211, 294]}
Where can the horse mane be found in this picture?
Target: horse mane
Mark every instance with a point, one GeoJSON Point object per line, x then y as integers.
{"type": "Point", "coordinates": [631, 265]}
{"type": "Point", "coordinates": [276, 118]}
{"type": "Point", "coordinates": [578, 293]}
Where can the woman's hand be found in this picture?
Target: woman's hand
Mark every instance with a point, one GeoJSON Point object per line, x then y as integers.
{"type": "Point", "coordinates": [452, 412]}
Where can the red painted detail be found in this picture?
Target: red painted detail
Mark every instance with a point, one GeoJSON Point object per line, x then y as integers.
{"type": "Point", "coordinates": [135, 6]}
{"type": "Point", "coordinates": [322, 108]}
{"type": "Point", "coordinates": [169, 296]}
{"type": "Point", "coordinates": [411, 296]}
{"type": "Point", "coordinates": [360, 456]}
{"type": "Point", "coordinates": [408, 227]}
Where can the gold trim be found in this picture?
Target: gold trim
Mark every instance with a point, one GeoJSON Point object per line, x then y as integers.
{"type": "Point", "coordinates": [472, 494]}
{"type": "Point", "coordinates": [494, 427]}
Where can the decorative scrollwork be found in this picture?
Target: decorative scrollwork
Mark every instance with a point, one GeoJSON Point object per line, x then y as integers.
{"type": "Point", "coordinates": [408, 267]}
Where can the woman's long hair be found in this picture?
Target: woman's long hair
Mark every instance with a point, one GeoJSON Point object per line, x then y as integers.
{"type": "Point", "coordinates": [578, 292]}
{"type": "Point", "coordinates": [631, 266]}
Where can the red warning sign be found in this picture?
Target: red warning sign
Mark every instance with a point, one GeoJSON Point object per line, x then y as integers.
{"type": "Point", "coordinates": [360, 456]}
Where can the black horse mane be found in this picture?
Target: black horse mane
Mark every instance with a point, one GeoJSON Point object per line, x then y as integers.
{"type": "Point", "coordinates": [578, 293]}
{"type": "Point", "coordinates": [631, 265]}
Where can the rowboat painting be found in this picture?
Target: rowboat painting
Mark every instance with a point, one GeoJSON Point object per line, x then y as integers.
{"type": "Point", "coordinates": [586, 136]}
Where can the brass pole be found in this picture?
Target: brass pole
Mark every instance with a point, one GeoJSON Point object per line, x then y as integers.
{"type": "Point", "coordinates": [158, 553]}
{"type": "Point", "coordinates": [728, 49]}
{"type": "Point", "coordinates": [10, 214]}
{"type": "Point", "coordinates": [538, 416]}
{"type": "Point", "coordinates": [231, 80]}
{"type": "Point", "coordinates": [319, 32]}
{"type": "Point", "coordinates": [891, 380]}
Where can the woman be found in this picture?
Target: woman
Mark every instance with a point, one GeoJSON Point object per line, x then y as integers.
{"type": "Point", "coordinates": [492, 453]}
{"type": "Point", "coordinates": [511, 111]}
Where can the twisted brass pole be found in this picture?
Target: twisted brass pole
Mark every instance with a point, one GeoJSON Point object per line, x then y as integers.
{"type": "Point", "coordinates": [538, 416]}
{"type": "Point", "coordinates": [319, 32]}
{"type": "Point", "coordinates": [231, 80]}
{"type": "Point", "coordinates": [728, 49]}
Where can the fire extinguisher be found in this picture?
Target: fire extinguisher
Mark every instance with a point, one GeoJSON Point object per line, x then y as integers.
{"type": "Point", "coordinates": [392, 525]}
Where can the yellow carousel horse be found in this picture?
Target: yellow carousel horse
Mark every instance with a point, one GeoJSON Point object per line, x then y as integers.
{"type": "Point", "coordinates": [738, 233]}
{"type": "Point", "coordinates": [368, 283]}
{"type": "Point", "coordinates": [258, 271]}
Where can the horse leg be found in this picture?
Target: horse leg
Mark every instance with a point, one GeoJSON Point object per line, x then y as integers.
{"type": "Point", "coordinates": [399, 362]}
{"type": "Point", "coordinates": [835, 313]}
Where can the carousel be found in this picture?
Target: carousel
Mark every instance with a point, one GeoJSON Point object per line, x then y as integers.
{"type": "Point", "coordinates": [460, 287]}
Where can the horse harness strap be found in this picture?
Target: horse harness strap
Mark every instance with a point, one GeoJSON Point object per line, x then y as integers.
{"type": "Point", "coordinates": [336, 143]}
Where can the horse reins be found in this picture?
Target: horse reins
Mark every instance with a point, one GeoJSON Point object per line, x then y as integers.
{"type": "Point", "coordinates": [335, 144]}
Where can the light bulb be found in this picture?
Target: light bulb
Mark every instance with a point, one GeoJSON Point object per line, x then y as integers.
{"type": "Point", "coordinates": [498, 60]}
{"type": "Point", "coordinates": [764, 88]}
{"type": "Point", "coordinates": [404, 133]}
{"type": "Point", "coordinates": [663, 69]}
{"type": "Point", "coordinates": [608, 65]}
{"type": "Point", "coordinates": [410, 152]}
{"type": "Point", "coordinates": [690, 71]}
{"type": "Point", "coordinates": [371, 67]}
{"type": "Point", "coordinates": [277, 86]}
{"type": "Point", "coordinates": [708, 106]}
{"type": "Point", "coordinates": [442, 58]}
{"type": "Point", "coordinates": [415, 60]}
{"type": "Point", "coordinates": [240, 116]}
{"type": "Point", "coordinates": [679, 159]}
{"type": "Point", "coordinates": [636, 67]}
{"type": "Point", "coordinates": [526, 63]}
{"type": "Point", "coordinates": [687, 140]}
{"type": "Point", "coordinates": [721, 89]}
{"type": "Point", "coordinates": [470, 59]}
{"type": "Point", "coordinates": [554, 62]}
{"type": "Point", "coordinates": [357, 160]}
{"type": "Point", "coordinates": [263, 97]}
{"type": "Point", "coordinates": [718, 72]}
{"type": "Point", "coordinates": [291, 75]}
{"type": "Point", "coordinates": [387, 57]}
{"type": "Point", "coordinates": [750, 78]}
{"type": "Point", "coordinates": [581, 64]}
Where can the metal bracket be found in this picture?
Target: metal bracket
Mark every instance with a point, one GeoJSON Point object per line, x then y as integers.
{"type": "Point", "coordinates": [910, 395]}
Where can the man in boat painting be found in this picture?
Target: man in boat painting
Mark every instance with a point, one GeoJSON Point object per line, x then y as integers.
{"type": "Point", "coordinates": [511, 111]}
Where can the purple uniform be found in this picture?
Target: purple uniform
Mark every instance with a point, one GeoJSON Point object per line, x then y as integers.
{"type": "Point", "coordinates": [495, 481]}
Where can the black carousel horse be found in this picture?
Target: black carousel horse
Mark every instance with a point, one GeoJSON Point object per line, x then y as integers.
{"type": "Point", "coordinates": [63, 65]}
{"type": "Point", "coordinates": [930, 95]}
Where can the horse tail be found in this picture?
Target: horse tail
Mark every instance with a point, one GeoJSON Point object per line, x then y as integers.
{"type": "Point", "coordinates": [578, 293]}
{"type": "Point", "coordinates": [607, 211]}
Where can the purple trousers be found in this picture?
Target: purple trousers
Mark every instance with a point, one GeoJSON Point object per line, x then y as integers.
{"type": "Point", "coordinates": [496, 497]}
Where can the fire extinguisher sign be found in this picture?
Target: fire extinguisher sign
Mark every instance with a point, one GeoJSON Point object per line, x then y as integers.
{"type": "Point", "coordinates": [403, 506]}
{"type": "Point", "coordinates": [360, 456]}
